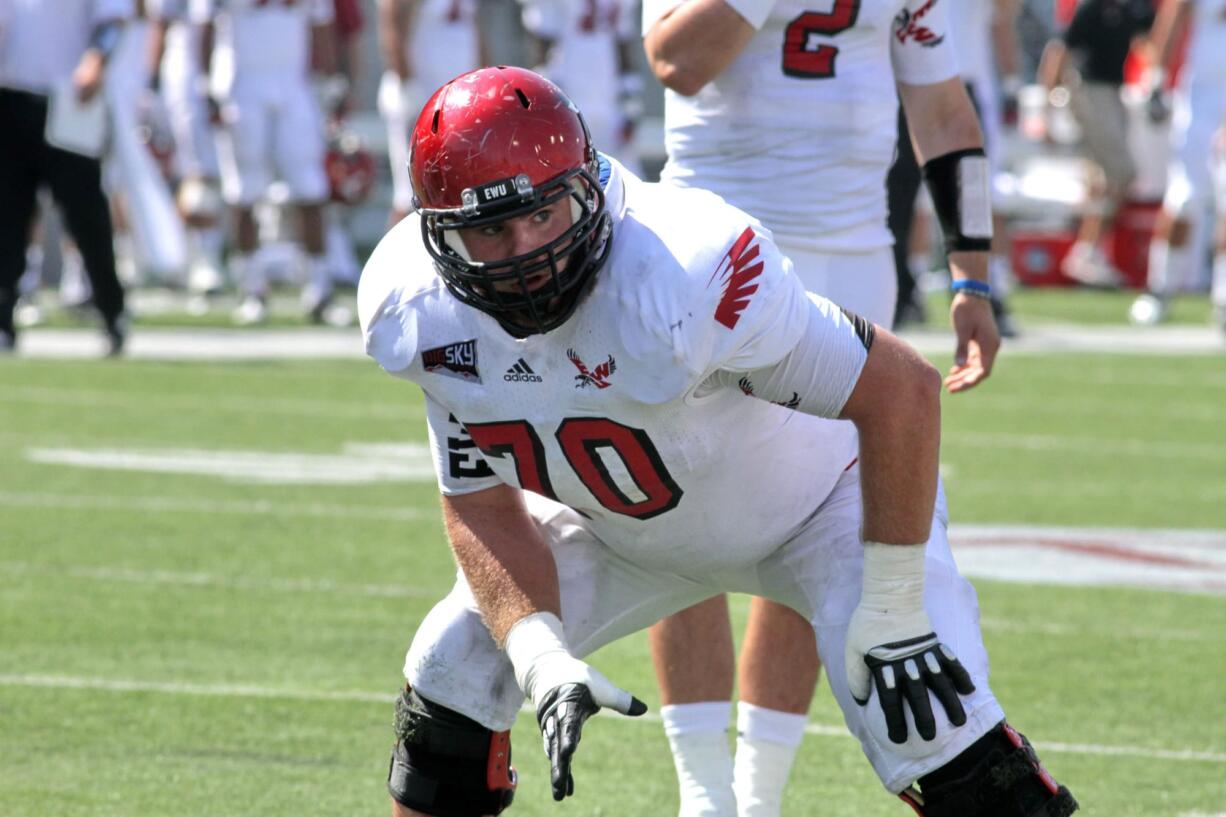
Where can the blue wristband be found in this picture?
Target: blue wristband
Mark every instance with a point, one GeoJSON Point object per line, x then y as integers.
{"type": "Point", "coordinates": [971, 287]}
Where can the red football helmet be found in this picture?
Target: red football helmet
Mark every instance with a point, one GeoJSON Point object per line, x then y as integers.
{"type": "Point", "coordinates": [349, 166]}
{"type": "Point", "coordinates": [495, 144]}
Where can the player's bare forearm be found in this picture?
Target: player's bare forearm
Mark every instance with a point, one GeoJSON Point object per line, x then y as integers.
{"type": "Point", "coordinates": [896, 407]}
{"type": "Point", "coordinates": [1168, 26]}
{"type": "Point", "coordinates": [693, 44]}
{"type": "Point", "coordinates": [941, 117]}
{"type": "Point", "coordinates": [506, 562]}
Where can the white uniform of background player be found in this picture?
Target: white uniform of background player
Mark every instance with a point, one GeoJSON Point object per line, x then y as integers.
{"type": "Point", "coordinates": [586, 46]}
{"type": "Point", "coordinates": [273, 127]}
{"type": "Point", "coordinates": [799, 130]}
{"type": "Point", "coordinates": [813, 168]}
{"type": "Point", "coordinates": [182, 86]}
{"type": "Point", "coordinates": [1199, 113]}
{"type": "Point", "coordinates": [435, 41]}
{"type": "Point", "coordinates": [641, 412]}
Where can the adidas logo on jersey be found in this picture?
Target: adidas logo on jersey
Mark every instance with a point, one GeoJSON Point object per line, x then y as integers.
{"type": "Point", "coordinates": [521, 372]}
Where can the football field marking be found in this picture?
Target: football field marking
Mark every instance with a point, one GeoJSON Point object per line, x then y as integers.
{"type": "Point", "coordinates": [172, 504]}
{"type": "Point", "coordinates": [145, 403]}
{"type": "Point", "coordinates": [357, 463]}
{"type": "Point", "coordinates": [211, 580]}
{"type": "Point", "coordinates": [122, 686]}
{"type": "Point", "coordinates": [1187, 561]}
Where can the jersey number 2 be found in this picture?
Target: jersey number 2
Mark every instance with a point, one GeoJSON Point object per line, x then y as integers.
{"type": "Point", "coordinates": [581, 439]}
{"type": "Point", "coordinates": [804, 57]}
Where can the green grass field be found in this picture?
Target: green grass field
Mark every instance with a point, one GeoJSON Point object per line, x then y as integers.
{"type": "Point", "coordinates": [184, 644]}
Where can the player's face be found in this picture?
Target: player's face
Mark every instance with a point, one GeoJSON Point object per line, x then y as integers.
{"type": "Point", "coordinates": [520, 236]}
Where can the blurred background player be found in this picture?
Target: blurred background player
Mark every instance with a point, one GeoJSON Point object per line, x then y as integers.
{"type": "Point", "coordinates": [1198, 113]}
{"type": "Point", "coordinates": [985, 39]}
{"type": "Point", "coordinates": [151, 242]}
{"type": "Point", "coordinates": [46, 47]}
{"type": "Point", "coordinates": [1088, 59]}
{"type": "Point", "coordinates": [754, 90]}
{"type": "Point", "coordinates": [424, 44]}
{"type": "Point", "coordinates": [182, 84]}
{"type": "Point", "coordinates": [586, 48]}
{"type": "Point", "coordinates": [260, 61]}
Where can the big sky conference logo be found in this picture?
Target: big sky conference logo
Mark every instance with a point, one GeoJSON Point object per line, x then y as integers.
{"type": "Point", "coordinates": [458, 360]}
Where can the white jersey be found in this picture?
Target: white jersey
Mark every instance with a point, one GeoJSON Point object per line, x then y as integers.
{"type": "Point", "coordinates": [1207, 51]}
{"type": "Point", "coordinates": [585, 34]}
{"type": "Point", "coordinates": [620, 413]}
{"type": "Point", "coordinates": [970, 28]}
{"type": "Point", "coordinates": [800, 129]}
{"type": "Point", "coordinates": [443, 43]}
{"type": "Point", "coordinates": [268, 40]}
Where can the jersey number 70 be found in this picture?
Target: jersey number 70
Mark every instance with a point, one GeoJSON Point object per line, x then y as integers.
{"type": "Point", "coordinates": [804, 55]}
{"type": "Point", "coordinates": [581, 439]}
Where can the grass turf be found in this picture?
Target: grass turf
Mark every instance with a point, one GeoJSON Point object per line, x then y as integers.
{"type": "Point", "coordinates": [177, 643]}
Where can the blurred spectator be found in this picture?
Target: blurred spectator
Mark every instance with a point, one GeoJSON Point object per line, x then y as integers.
{"type": "Point", "coordinates": [424, 44]}
{"type": "Point", "coordinates": [56, 50]}
{"type": "Point", "coordinates": [261, 53]}
{"type": "Point", "coordinates": [1088, 60]}
{"type": "Point", "coordinates": [1198, 113]}
{"type": "Point", "coordinates": [585, 47]}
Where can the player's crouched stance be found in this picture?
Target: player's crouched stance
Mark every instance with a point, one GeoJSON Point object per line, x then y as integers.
{"type": "Point", "coordinates": [624, 384]}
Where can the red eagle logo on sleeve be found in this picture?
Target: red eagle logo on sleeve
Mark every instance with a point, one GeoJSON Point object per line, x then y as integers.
{"type": "Point", "coordinates": [737, 273]}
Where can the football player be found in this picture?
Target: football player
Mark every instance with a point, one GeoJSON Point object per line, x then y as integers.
{"type": "Point", "coordinates": [423, 44]}
{"type": "Point", "coordinates": [260, 57]}
{"type": "Point", "coordinates": [1199, 111]}
{"type": "Point", "coordinates": [585, 47]}
{"type": "Point", "coordinates": [625, 385]}
{"type": "Point", "coordinates": [790, 114]}
{"type": "Point", "coordinates": [180, 82]}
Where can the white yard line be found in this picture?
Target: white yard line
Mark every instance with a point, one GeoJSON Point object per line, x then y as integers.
{"type": "Point", "coordinates": [210, 580]}
{"type": "Point", "coordinates": [339, 409]}
{"type": "Point", "coordinates": [238, 344]}
{"type": "Point", "coordinates": [359, 696]}
{"type": "Point", "coordinates": [1062, 443]}
{"type": "Point", "coordinates": [168, 504]}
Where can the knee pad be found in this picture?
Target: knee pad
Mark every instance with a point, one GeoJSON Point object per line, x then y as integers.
{"type": "Point", "coordinates": [448, 765]}
{"type": "Point", "coordinates": [997, 776]}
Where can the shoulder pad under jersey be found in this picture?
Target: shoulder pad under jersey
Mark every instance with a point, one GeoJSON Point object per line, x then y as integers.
{"type": "Point", "coordinates": [397, 278]}
{"type": "Point", "coordinates": [707, 280]}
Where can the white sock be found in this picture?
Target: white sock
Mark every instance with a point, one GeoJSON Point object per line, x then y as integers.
{"type": "Point", "coordinates": [1159, 260]}
{"type": "Point", "coordinates": [698, 736]}
{"type": "Point", "coordinates": [248, 275]}
{"type": "Point", "coordinates": [766, 745]}
{"type": "Point", "coordinates": [1217, 295]}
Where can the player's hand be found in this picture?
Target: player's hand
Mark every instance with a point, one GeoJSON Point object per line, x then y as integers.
{"type": "Point", "coordinates": [978, 341]}
{"type": "Point", "coordinates": [892, 644]}
{"type": "Point", "coordinates": [565, 691]}
{"type": "Point", "coordinates": [87, 76]}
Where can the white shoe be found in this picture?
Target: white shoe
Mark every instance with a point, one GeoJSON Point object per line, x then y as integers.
{"type": "Point", "coordinates": [1147, 310]}
{"type": "Point", "coordinates": [204, 278]}
{"type": "Point", "coordinates": [253, 310]}
{"type": "Point", "coordinates": [1086, 264]}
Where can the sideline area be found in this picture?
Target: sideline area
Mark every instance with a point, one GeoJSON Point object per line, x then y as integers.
{"type": "Point", "coordinates": [160, 343]}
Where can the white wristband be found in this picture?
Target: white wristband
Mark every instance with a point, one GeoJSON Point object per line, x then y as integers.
{"type": "Point", "coordinates": [755, 12]}
{"type": "Point", "coordinates": [893, 578]}
{"type": "Point", "coordinates": [530, 639]}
